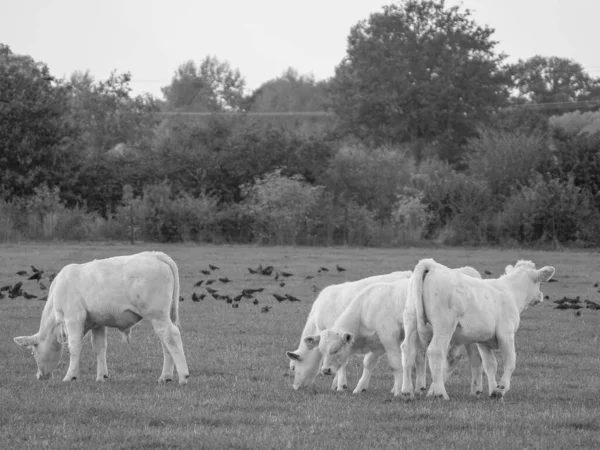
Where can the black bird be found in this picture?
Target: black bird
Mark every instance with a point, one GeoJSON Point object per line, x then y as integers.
{"type": "Point", "coordinates": [36, 276]}
{"type": "Point", "coordinates": [209, 282]}
{"type": "Point", "coordinates": [287, 274]}
{"type": "Point", "coordinates": [2, 295]}
{"type": "Point", "coordinates": [5, 288]}
{"type": "Point", "coordinates": [282, 284]}
{"type": "Point", "coordinates": [576, 306]}
{"type": "Point", "coordinates": [308, 277]}
{"type": "Point", "coordinates": [238, 297]}
{"type": "Point", "coordinates": [251, 270]}
{"type": "Point", "coordinates": [596, 284]}
{"type": "Point", "coordinates": [235, 305]}
{"type": "Point", "coordinates": [16, 291]}
{"type": "Point", "coordinates": [291, 298]}
{"type": "Point", "coordinates": [210, 290]}
{"type": "Point", "coordinates": [267, 271]}
{"type": "Point", "coordinates": [205, 272]}
{"type": "Point", "coordinates": [340, 268]}
{"type": "Point", "coordinates": [22, 273]}
{"type": "Point", "coordinates": [227, 298]}
{"type": "Point", "coordinates": [198, 283]}
{"type": "Point", "coordinates": [577, 313]}
{"type": "Point", "coordinates": [279, 298]}
{"type": "Point", "coordinates": [277, 276]}
{"type": "Point", "coordinates": [592, 305]}
{"type": "Point", "coordinates": [255, 301]}
{"type": "Point", "coordinates": [563, 306]}
{"type": "Point", "coordinates": [43, 286]}
{"type": "Point", "coordinates": [250, 291]}
{"type": "Point", "coordinates": [487, 272]}
{"type": "Point", "coordinates": [215, 295]}
{"type": "Point", "coordinates": [323, 269]}
{"type": "Point", "coordinates": [213, 267]}
{"type": "Point", "coordinates": [35, 270]}
{"type": "Point", "coordinates": [28, 296]}
{"type": "Point", "coordinates": [552, 280]}
{"type": "Point", "coordinates": [265, 309]}
{"type": "Point", "coordinates": [196, 297]}
{"type": "Point", "coordinates": [224, 280]}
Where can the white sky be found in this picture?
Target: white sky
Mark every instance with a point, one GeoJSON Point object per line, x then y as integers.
{"type": "Point", "coordinates": [150, 38]}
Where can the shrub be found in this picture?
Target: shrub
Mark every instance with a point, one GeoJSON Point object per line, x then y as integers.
{"type": "Point", "coordinates": [279, 206]}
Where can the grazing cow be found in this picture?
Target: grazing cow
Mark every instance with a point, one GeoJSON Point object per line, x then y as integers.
{"type": "Point", "coordinates": [372, 323]}
{"type": "Point", "coordinates": [330, 303]}
{"type": "Point", "coordinates": [465, 310]}
{"type": "Point", "coordinates": [115, 292]}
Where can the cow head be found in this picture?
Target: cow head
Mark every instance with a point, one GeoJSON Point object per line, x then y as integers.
{"type": "Point", "coordinates": [47, 353]}
{"type": "Point", "coordinates": [305, 363]}
{"type": "Point", "coordinates": [532, 292]}
{"type": "Point", "coordinates": [336, 348]}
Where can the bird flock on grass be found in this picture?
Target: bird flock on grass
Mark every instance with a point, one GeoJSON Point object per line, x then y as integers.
{"type": "Point", "coordinates": [17, 290]}
{"type": "Point", "coordinates": [249, 294]}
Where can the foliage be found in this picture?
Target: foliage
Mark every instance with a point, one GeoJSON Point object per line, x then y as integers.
{"type": "Point", "coordinates": [280, 206]}
{"type": "Point", "coordinates": [369, 178]}
{"type": "Point", "coordinates": [551, 211]}
{"type": "Point", "coordinates": [505, 160]}
{"type": "Point", "coordinates": [418, 70]}
{"type": "Point", "coordinates": [542, 79]}
{"type": "Point", "coordinates": [34, 130]}
{"type": "Point", "coordinates": [577, 122]}
{"type": "Point", "coordinates": [213, 85]}
{"type": "Point", "coordinates": [289, 92]}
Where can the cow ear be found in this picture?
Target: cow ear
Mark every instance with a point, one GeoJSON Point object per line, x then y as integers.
{"type": "Point", "coordinates": [27, 341]}
{"type": "Point", "coordinates": [293, 356]}
{"type": "Point", "coordinates": [508, 269]}
{"type": "Point", "coordinates": [312, 341]}
{"type": "Point", "coordinates": [348, 338]}
{"type": "Point", "coordinates": [545, 273]}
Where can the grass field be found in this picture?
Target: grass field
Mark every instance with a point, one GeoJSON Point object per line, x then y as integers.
{"type": "Point", "coordinates": [240, 395]}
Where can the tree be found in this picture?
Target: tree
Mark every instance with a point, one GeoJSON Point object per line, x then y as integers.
{"type": "Point", "coordinates": [418, 71]}
{"type": "Point", "coordinates": [35, 132]}
{"type": "Point", "coordinates": [541, 79]}
{"type": "Point", "coordinates": [289, 92]}
{"type": "Point", "coordinates": [211, 86]}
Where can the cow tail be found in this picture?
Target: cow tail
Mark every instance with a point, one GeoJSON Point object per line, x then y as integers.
{"type": "Point", "coordinates": [175, 300]}
{"type": "Point", "coordinates": [415, 297]}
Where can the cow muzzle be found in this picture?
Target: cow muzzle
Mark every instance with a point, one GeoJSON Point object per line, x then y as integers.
{"type": "Point", "coordinates": [43, 376]}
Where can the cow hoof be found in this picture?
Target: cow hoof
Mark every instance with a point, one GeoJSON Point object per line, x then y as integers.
{"type": "Point", "coordinates": [496, 395]}
{"type": "Point", "coordinates": [183, 381]}
{"type": "Point", "coordinates": [165, 379]}
{"type": "Point", "coordinates": [407, 396]}
{"type": "Point", "coordinates": [500, 387]}
{"type": "Point", "coordinates": [478, 393]}
{"type": "Point", "coordinates": [69, 378]}
{"type": "Point", "coordinates": [422, 391]}
{"type": "Point", "coordinates": [105, 376]}
{"type": "Point", "coordinates": [344, 387]}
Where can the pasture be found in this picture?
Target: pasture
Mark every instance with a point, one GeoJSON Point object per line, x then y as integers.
{"type": "Point", "coordinates": [239, 393]}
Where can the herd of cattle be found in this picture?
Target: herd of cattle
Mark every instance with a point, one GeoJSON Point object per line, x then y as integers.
{"type": "Point", "coordinates": [431, 313]}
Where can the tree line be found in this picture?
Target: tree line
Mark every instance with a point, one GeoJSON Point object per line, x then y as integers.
{"type": "Point", "coordinates": [431, 136]}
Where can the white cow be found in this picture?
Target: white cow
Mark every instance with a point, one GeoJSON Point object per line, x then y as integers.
{"type": "Point", "coordinates": [464, 310]}
{"type": "Point", "coordinates": [372, 323]}
{"type": "Point", "coordinates": [115, 292]}
{"type": "Point", "coordinates": [305, 362]}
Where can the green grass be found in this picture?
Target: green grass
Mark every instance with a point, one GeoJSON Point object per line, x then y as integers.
{"type": "Point", "coordinates": [239, 394]}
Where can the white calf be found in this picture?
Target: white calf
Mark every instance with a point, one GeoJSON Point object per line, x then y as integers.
{"type": "Point", "coordinates": [115, 292]}
{"type": "Point", "coordinates": [464, 310]}
{"type": "Point", "coordinates": [330, 303]}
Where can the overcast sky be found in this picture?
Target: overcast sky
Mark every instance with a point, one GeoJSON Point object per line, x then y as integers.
{"type": "Point", "coordinates": [150, 38]}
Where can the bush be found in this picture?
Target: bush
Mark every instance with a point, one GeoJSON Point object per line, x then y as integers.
{"type": "Point", "coordinates": [280, 207]}
{"type": "Point", "coordinates": [551, 211]}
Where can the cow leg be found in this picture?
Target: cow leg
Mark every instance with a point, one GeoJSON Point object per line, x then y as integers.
{"type": "Point", "coordinates": [476, 369]}
{"type": "Point", "coordinates": [410, 349]}
{"type": "Point", "coordinates": [394, 355]}
{"type": "Point", "coordinates": [99, 347]}
{"type": "Point", "coordinates": [74, 338]}
{"type": "Point", "coordinates": [509, 356]}
{"type": "Point", "coordinates": [490, 365]}
{"type": "Point", "coordinates": [421, 368]}
{"type": "Point", "coordinates": [369, 362]}
{"type": "Point", "coordinates": [342, 380]}
{"type": "Point", "coordinates": [171, 338]}
{"type": "Point", "coordinates": [437, 353]}
{"type": "Point", "coordinates": [168, 365]}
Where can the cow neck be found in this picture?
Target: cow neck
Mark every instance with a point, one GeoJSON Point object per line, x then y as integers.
{"type": "Point", "coordinates": [350, 318]}
{"type": "Point", "coordinates": [518, 282]}
{"type": "Point", "coordinates": [48, 320]}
